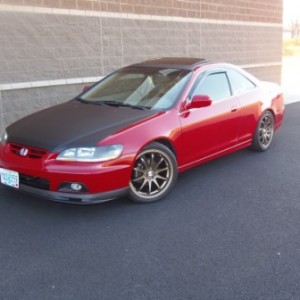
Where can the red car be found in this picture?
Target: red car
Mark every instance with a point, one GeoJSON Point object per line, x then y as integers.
{"type": "Point", "coordinates": [134, 130]}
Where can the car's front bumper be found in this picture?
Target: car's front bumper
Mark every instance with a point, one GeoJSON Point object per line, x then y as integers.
{"type": "Point", "coordinates": [47, 177]}
{"type": "Point", "coordinates": [71, 198]}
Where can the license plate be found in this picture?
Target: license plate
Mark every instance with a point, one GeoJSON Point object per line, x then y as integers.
{"type": "Point", "coordinates": [10, 178]}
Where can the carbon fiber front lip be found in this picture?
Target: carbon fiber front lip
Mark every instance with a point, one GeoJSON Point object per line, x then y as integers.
{"type": "Point", "coordinates": [71, 198]}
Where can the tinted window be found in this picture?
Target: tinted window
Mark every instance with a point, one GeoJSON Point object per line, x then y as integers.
{"type": "Point", "coordinates": [215, 85]}
{"type": "Point", "coordinates": [239, 82]}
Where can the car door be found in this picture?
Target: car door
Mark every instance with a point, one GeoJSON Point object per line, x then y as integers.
{"type": "Point", "coordinates": [249, 97]}
{"type": "Point", "coordinates": [212, 129]}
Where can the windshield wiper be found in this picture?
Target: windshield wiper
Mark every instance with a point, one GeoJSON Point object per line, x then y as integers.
{"type": "Point", "coordinates": [117, 104]}
{"type": "Point", "coordinates": [89, 102]}
{"type": "Point", "coordinates": [111, 103]}
{"type": "Point", "coordinates": [82, 100]}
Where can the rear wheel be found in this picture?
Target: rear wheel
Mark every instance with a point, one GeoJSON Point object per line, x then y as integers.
{"type": "Point", "coordinates": [154, 174]}
{"type": "Point", "coordinates": [264, 133]}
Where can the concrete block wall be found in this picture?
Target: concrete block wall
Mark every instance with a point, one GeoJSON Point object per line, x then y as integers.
{"type": "Point", "coordinates": [244, 10]}
{"type": "Point", "coordinates": [71, 41]}
{"type": "Point", "coordinates": [17, 103]}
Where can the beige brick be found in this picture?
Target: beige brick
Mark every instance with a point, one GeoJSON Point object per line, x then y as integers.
{"type": "Point", "coordinates": [51, 3]}
{"type": "Point", "coordinates": [85, 5]}
{"type": "Point", "coordinates": [69, 4]}
{"type": "Point", "coordinates": [13, 2]}
{"type": "Point", "coordinates": [33, 2]}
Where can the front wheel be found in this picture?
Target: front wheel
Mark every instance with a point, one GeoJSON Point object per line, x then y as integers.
{"type": "Point", "coordinates": [264, 133]}
{"type": "Point", "coordinates": [154, 174]}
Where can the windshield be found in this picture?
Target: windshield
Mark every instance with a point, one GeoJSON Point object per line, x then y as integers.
{"type": "Point", "coordinates": [148, 88]}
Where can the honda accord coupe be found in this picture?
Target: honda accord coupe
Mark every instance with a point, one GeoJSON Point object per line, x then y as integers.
{"type": "Point", "coordinates": [132, 132]}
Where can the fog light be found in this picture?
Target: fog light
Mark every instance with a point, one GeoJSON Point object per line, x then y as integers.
{"type": "Point", "coordinates": [76, 187]}
{"type": "Point", "coordinates": [72, 187]}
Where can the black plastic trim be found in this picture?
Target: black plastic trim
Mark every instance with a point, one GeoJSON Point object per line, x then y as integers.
{"type": "Point", "coordinates": [72, 198]}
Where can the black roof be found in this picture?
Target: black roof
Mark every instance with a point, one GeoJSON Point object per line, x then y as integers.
{"type": "Point", "coordinates": [186, 63]}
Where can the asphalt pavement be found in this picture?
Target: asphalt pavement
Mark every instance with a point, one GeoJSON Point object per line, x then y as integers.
{"type": "Point", "coordinates": [229, 230]}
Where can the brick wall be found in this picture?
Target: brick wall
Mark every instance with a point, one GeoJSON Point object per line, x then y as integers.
{"type": "Point", "coordinates": [48, 40]}
{"type": "Point", "coordinates": [245, 10]}
{"type": "Point", "coordinates": [18, 103]}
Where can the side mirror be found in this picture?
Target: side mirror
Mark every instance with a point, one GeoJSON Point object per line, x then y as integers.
{"type": "Point", "coordinates": [85, 88]}
{"type": "Point", "coordinates": [199, 101]}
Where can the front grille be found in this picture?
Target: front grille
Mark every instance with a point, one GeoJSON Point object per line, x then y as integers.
{"type": "Point", "coordinates": [37, 182]}
{"type": "Point", "coordinates": [31, 152]}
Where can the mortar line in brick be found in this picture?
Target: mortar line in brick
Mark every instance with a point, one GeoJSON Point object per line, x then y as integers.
{"type": "Point", "coordinates": [122, 44]}
{"type": "Point", "coordinates": [2, 112]}
{"type": "Point", "coordinates": [102, 51]}
{"type": "Point", "coordinates": [46, 83]}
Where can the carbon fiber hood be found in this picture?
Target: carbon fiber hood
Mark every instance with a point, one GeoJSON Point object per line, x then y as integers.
{"type": "Point", "coordinates": [73, 124]}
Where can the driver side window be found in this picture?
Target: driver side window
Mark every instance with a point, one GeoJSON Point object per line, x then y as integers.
{"type": "Point", "coordinates": [215, 86]}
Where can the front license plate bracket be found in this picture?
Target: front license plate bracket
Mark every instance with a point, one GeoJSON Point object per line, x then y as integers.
{"type": "Point", "coordinates": [9, 178]}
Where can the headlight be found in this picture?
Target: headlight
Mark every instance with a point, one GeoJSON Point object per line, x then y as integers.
{"type": "Point", "coordinates": [3, 138]}
{"type": "Point", "coordinates": [91, 154]}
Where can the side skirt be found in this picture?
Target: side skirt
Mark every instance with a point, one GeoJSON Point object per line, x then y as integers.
{"type": "Point", "coordinates": [214, 155]}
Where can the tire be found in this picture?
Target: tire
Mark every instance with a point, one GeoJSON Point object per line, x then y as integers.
{"type": "Point", "coordinates": [264, 133]}
{"type": "Point", "coordinates": [154, 174]}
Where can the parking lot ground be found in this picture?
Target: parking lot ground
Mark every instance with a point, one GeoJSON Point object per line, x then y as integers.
{"type": "Point", "coordinates": [229, 230]}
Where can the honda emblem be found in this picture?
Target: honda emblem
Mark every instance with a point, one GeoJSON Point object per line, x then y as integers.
{"type": "Point", "coordinates": [23, 151]}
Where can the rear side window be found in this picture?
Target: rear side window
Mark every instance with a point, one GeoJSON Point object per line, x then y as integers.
{"type": "Point", "coordinates": [239, 83]}
{"type": "Point", "coordinates": [216, 86]}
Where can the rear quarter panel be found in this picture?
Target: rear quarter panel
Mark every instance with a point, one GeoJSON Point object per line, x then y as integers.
{"type": "Point", "coordinates": [267, 96]}
{"type": "Point", "coordinates": [274, 100]}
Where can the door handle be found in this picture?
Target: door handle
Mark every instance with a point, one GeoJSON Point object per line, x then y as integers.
{"type": "Point", "coordinates": [234, 108]}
